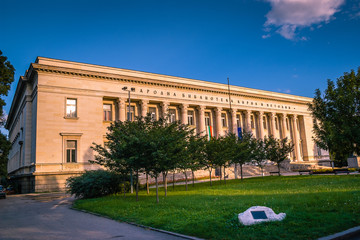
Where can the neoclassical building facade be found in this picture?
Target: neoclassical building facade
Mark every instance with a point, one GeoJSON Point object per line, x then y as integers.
{"type": "Point", "coordinates": [61, 108]}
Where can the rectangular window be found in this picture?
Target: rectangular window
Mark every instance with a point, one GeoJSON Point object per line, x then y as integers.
{"type": "Point", "coordinates": [71, 108]}
{"type": "Point", "coordinates": [223, 119]}
{"type": "Point", "coordinates": [152, 112]}
{"type": "Point", "coordinates": [191, 118]}
{"type": "Point", "coordinates": [238, 120]}
{"type": "Point", "coordinates": [264, 122]}
{"type": "Point", "coordinates": [172, 113]}
{"type": "Point", "coordinates": [71, 151]}
{"type": "Point", "coordinates": [107, 108]}
{"type": "Point", "coordinates": [207, 119]}
{"type": "Point", "coordinates": [131, 113]}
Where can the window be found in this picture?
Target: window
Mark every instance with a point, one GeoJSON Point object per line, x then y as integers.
{"type": "Point", "coordinates": [131, 113]}
{"type": "Point", "coordinates": [71, 108]}
{"type": "Point", "coordinates": [71, 151]}
{"type": "Point", "coordinates": [191, 117]}
{"type": "Point", "coordinates": [223, 119]}
{"type": "Point", "coordinates": [172, 113]}
{"type": "Point", "coordinates": [238, 120]}
{"type": "Point", "coordinates": [264, 122]}
{"type": "Point", "coordinates": [107, 112]}
{"type": "Point", "coordinates": [152, 112]}
{"type": "Point", "coordinates": [207, 119]}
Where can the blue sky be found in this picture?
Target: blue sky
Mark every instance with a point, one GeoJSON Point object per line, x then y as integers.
{"type": "Point", "coordinates": [289, 46]}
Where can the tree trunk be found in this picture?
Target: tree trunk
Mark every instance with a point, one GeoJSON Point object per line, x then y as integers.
{"type": "Point", "coordinates": [262, 171]}
{"type": "Point", "coordinates": [186, 185]}
{"type": "Point", "coordinates": [165, 182]}
{"type": "Point", "coordinates": [278, 165]}
{"type": "Point", "coordinates": [210, 177]}
{"type": "Point", "coordinates": [241, 171]}
{"type": "Point", "coordinates": [124, 182]}
{"type": "Point", "coordinates": [137, 185]}
{"type": "Point", "coordinates": [193, 178]}
{"type": "Point", "coordinates": [220, 175]}
{"type": "Point", "coordinates": [147, 184]}
{"type": "Point", "coordinates": [224, 175]}
{"type": "Point", "coordinates": [235, 170]}
{"type": "Point", "coordinates": [174, 180]}
{"type": "Point", "coordinates": [157, 189]}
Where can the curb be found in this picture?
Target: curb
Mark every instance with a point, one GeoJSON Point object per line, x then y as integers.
{"type": "Point", "coordinates": [343, 235]}
{"type": "Point", "coordinates": [142, 226]}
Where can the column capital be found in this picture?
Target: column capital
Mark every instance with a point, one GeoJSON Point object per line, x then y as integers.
{"type": "Point", "coordinates": [164, 104]}
{"type": "Point", "coordinates": [184, 106]}
{"type": "Point", "coordinates": [120, 101]}
{"type": "Point", "coordinates": [201, 107]}
{"type": "Point", "coordinates": [260, 113]}
{"type": "Point", "coordinates": [218, 110]}
{"type": "Point", "coordinates": [272, 114]}
{"type": "Point", "coordinates": [248, 112]}
{"type": "Point", "coordinates": [233, 111]}
{"type": "Point", "coordinates": [145, 102]}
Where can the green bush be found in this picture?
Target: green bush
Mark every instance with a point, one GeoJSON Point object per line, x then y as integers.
{"type": "Point", "coordinates": [94, 184]}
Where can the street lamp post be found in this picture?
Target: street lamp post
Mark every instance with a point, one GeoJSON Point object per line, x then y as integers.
{"type": "Point", "coordinates": [129, 119]}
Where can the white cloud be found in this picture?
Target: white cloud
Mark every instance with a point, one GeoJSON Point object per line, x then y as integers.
{"type": "Point", "coordinates": [287, 16]}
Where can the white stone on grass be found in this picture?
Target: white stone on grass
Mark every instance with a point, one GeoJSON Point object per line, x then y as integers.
{"type": "Point", "coordinates": [261, 214]}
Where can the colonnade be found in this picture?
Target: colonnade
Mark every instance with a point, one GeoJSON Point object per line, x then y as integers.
{"type": "Point", "coordinates": [260, 123]}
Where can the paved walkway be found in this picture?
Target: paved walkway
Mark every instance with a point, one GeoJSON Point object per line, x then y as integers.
{"type": "Point", "coordinates": [48, 216]}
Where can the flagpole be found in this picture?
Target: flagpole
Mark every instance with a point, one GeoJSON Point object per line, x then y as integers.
{"type": "Point", "coordinates": [229, 92]}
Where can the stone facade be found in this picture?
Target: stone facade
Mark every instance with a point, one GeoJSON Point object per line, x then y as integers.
{"type": "Point", "coordinates": [60, 108]}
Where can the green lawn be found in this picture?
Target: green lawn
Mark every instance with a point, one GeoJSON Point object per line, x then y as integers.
{"type": "Point", "coordinates": [315, 206]}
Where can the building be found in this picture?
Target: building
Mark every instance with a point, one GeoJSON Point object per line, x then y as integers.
{"type": "Point", "coordinates": [60, 108]}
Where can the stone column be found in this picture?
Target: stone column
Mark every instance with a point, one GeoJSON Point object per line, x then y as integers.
{"type": "Point", "coordinates": [247, 121]}
{"type": "Point", "coordinates": [144, 107]}
{"type": "Point", "coordinates": [184, 113]}
{"type": "Point", "coordinates": [273, 128]}
{"type": "Point", "coordinates": [296, 138]}
{"type": "Point", "coordinates": [218, 121]}
{"type": "Point", "coordinates": [122, 109]}
{"type": "Point", "coordinates": [201, 120]}
{"type": "Point", "coordinates": [233, 121]}
{"type": "Point", "coordinates": [164, 109]}
{"type": "Point", "coordinates": [261, 123]}
{"type": "Point", "coordinates": [283, 125]}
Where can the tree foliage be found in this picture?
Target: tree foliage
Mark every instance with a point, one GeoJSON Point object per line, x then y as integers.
{"type": "Point", "coordinates": [243, 149]}
{"type": "Point", "coordinates": [336, 115]}
{"type": "Point", "coordinates": [7, 72]}
{"type": "Point", "coordinates": [277, 150]}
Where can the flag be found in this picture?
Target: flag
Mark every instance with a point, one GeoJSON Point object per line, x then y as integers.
{"type": "Point", "coordinates": [209, 132]}
{"type": "Point", "coordinates": [239, 133]}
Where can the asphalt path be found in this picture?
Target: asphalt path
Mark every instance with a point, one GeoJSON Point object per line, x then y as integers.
{"type": "Point", "coordinates": [48, 216]}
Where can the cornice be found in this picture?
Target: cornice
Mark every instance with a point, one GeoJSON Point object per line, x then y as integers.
{"type": "Point", "coordinates": [168, 83]}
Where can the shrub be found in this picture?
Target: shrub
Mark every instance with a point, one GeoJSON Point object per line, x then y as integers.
{"type": "Point", "coordinates": [93, 184]}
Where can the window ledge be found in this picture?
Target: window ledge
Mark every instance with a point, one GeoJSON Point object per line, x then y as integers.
{"type": "Point", "coordinates": [74, 118]}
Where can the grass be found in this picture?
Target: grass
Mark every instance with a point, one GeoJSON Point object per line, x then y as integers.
{"type": "Point", "coordinates": [315, 206]}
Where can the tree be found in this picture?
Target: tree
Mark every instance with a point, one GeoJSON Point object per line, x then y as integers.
{"type": "Point", "coordinates": [193, 156]}
{"type": "Point", "coordinates": [144, 145]}
{"type": "Point", "coordinates": [277, 150]}
{"type": "Point", "coordinates": [336, 117]}
{"type": "Point", "coordinates": [7, 72]}
{"type": "Point", "coordinates": [259, 154]}
{"type": "Point", "coordinates": [242, 150]}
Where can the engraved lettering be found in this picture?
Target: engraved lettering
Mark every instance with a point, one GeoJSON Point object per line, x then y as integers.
{"type": "Point", "coordinates": [155, 92]}
{"type": "Point", "coordinates": [148, 91]}
{"type": "Point", "coordinates": [141, 90]}
{"type": "Point", "coordinates": [168, 93]}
